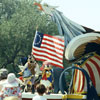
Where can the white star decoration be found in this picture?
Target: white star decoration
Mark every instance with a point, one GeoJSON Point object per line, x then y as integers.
{"type": "Point", "coordinates": [90, 83]}
{"type": "Point", "coordinates": [39, 40]}
{"type": "Point", "coordinates": [80, 61]}
{"type": "Point", "coordinates": [87, 56]}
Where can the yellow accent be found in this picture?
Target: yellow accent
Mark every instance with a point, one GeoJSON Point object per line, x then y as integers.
{"type": "Point", "coordinates": [75, 96]}
{"type": "Point", "coordinates": [48, 74]}
{"type": "Point", "coordinates": [51, 84]}
{"type": "Point", "coordinates": [96, 55]}
{"type": "Point", "coordinates": [27, 78]}
{"type": "Point", "coordinates": [29, 83]}
{"type": "Point", "coordinates": [74, 83]}
{"type": "Point", "coordinates": [64, 97]}
{"type": "Point", "coordinates": [75, 92]}
{"type": "Point", "coordinates": [20, 73]}
{"type": "Point", "coordinates": [71, 96]}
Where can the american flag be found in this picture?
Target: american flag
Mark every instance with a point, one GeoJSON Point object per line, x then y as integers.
{"type": "Point", "coordinates": [91, 63]}
{"type": "Point", "coordinates": [48, 48]}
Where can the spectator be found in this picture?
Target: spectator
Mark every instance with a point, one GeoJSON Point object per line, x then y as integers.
{"type": "Point", "coordinates": [40, 90]}
{"type": "Point", "coordinates": [3, 77]}
{"type": "Point", "coordinates": [11, 87]}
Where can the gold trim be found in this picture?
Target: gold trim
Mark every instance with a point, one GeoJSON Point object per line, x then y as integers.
{"type": "Point", "coordinates": [71, 96]}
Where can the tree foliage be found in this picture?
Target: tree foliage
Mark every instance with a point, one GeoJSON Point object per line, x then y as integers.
{"type": "Point", "coordinates": [18, 22]}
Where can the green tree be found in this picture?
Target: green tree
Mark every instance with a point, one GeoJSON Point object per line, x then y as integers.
{"type": "Point", "coordinates": [18, 22]}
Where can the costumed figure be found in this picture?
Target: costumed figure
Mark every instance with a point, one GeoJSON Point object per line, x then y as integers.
{"type": "Point", "coordinates": [3, 77]}
{"type": "Point", "coordinates": [50, 77]}
{"type": "Point", "coordinates": [47, 78]}
{"type": "Point", "coordinates": [29, 72]}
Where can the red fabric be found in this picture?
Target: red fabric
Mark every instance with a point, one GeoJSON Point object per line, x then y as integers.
{"type": "Point", "coordinates": [21, 78]}
{"type": "Point", "coordinates": [45, 63]}
{"type": "Point", "coordinates": [44, 77]}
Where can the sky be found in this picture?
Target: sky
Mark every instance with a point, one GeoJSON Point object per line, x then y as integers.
{"type": "Point", "coordinates": [83, 12]}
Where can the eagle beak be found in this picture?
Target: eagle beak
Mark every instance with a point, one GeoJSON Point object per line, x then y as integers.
{"type": "Point", "coordinates": [39, 5]}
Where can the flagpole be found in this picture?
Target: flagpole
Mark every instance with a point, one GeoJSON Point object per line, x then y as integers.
{"type": "Point", "coordinates": [35, 36]}
{"type": "Point", "coordinates": [37, 28]}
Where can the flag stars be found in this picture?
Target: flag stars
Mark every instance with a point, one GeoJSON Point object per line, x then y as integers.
{"type": "Point", "coordinates": [80, 61]}
{"type": "Point", "coordinates": [90, 83]}
{"type": "Point", "coordinates": [40, 39]}
{"type": "Point", "coordinates": [87, 56]}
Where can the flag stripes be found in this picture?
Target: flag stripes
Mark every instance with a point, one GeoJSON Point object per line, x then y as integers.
{"type": "Point", "coordinates": [45, 52]}
{"type": "Point", "coordinates": [92, 66]}
{"type": "Point", "coordinates": [49, 49]}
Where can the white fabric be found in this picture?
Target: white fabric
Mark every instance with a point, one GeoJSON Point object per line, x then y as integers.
{"type": "Point", "coordinates": [77, 41]}
{"type": "Point", "coordinates": [45, 82]}
{"type": "Point", "coordinates": [38, 97]}
{"type": "Point", "coordinates": [11, 77]}
{"type": "Point", "coordinates": [12, 98]}
{"type": "Point", "coordinates": [13, 84]}
{"type": "Point", "coordinates": [12, 81]}
{"type": "Point", "coordinates": [2, 82]}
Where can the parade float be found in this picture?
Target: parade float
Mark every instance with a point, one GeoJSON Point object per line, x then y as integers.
{"type": "Point", "coordinates": [82, 50]}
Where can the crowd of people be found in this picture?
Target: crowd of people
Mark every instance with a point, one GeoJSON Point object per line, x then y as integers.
{"type": "Point", "coordinates": [10, 87]}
